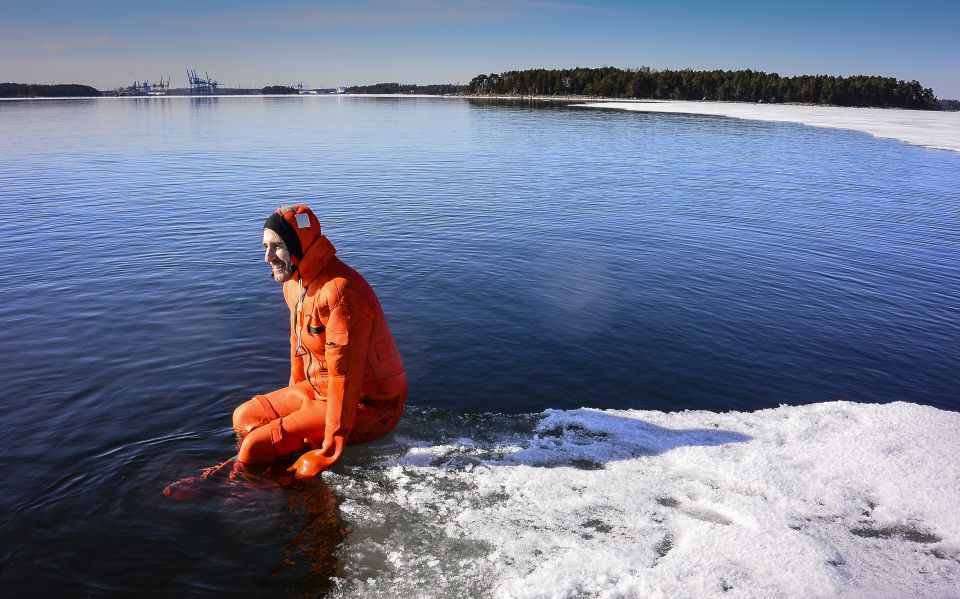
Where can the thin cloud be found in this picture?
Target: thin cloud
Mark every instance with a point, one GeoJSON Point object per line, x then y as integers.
{"type": "Point", "coordinates": [410, 13]}
{"type": "Point", "coordinates": [53, 47]}
{"type": "Point", "coordinates": [75, 44]}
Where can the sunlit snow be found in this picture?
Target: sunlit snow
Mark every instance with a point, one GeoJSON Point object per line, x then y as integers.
{"type": "Point", "coordinates": [824, 500]}
{"type": "Point", "coordinates": [933, 129]}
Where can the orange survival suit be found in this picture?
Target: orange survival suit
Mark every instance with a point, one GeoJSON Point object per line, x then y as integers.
{"type": "Point", "coordinates": [347, 383]}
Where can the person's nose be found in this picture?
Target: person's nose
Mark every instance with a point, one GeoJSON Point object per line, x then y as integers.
{"type": "Point", "coordinates": [268, 255]}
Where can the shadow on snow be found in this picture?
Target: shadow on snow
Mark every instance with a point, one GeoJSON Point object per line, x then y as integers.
{"type": "Point", "coordinates": [585, 439]}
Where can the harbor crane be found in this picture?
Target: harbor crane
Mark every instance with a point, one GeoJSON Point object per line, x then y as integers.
{"type": "Point", "coordinates": [201, 85]}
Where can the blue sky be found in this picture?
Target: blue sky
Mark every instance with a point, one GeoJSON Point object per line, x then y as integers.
{"type": "Point", "coordinates": [329, 43]}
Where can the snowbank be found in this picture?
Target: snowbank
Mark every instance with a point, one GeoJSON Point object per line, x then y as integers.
{"type": "Point", "coordinates": [825, 500]}
{"type": "Point", "coordinates": [931, 129]}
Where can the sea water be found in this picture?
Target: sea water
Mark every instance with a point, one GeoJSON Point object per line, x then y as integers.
{"type": "Point", "coordinates": [648, 353]}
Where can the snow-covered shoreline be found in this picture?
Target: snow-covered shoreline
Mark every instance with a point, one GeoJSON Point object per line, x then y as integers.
{"type": "Point", "coordinates": [823, 500]}
{"type": "Point", "coordinates": [931, 129]}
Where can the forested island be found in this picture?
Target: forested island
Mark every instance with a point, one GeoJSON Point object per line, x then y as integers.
{"type": "Point", "coordinates": [34, 90]}
{"type": "Point", "coordinates": [279, 89]}
{"type": "Point", "coordinates": [439, 89]}
{"type": "Point", "coordinates": [730, 86]}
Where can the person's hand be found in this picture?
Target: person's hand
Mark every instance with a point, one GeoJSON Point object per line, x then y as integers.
{"type": "Point", "coordinates": [310, 464]}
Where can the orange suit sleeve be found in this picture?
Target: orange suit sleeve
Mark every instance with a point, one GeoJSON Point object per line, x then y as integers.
{"type": "Point", "coordinates": [348, 337]}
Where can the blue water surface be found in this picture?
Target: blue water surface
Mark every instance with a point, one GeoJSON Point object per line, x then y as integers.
{"type": "Point", "coordinates": [527, 257]}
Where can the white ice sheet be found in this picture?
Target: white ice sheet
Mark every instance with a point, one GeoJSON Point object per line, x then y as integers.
{"type": "Point", "coordinates": [932, 129]}
{"type": "Point", "coordinates": [824, 500]}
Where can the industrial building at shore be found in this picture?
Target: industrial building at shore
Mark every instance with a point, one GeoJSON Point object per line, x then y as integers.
{"type": "Point", "coordinates": [208, 86]}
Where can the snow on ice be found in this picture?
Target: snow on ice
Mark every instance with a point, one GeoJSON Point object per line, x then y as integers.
{"type": "Point", "coordinates": [824, 500]}
{"type": "Point", "coordinates": [932, 129]}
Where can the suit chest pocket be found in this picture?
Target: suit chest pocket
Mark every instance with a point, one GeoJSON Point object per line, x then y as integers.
{"type": "Point", "coordinates": [315, 334]}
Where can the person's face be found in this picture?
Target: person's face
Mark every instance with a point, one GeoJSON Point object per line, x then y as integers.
{"type": "Point", "coordinates": [277, 256]}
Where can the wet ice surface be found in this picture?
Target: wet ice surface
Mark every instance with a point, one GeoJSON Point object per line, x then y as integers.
{"type": "Point", "coordinates": [932, 129]}
{"type": "Point", "coordinates": [831, 499]}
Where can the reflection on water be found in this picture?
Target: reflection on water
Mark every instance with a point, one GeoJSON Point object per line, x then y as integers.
{"type": "Point", "coordinates": [312, 560]}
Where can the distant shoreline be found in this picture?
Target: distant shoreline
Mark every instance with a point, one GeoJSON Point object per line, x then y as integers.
{"type": "Point", "coordinates": [545, 99]}
{"type": "Point", "coordinates": [571, 99]}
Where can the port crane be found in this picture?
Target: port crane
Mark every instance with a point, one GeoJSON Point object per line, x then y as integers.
{"type": "Point", "coordinates": [201, 85]}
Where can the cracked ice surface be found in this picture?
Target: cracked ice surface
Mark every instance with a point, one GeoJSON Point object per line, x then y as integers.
{"type": "Point", "coordinates": [823, 500]}
{"type": "Point", "coordinates": [929, 128]}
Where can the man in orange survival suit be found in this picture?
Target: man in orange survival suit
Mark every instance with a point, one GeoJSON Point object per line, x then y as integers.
{"type": "Point", "coordinates": [347, 383]}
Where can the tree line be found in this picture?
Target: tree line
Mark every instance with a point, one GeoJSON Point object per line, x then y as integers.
{"type": "Point", "coordinates": [687, 84]}
{"type": "Point", "coordinates": [279, 89]}
{"type": "Point", "coordinates": [953, 105]}
{"type": "Point", "coordinates": [439, 89]}
{"type": "Point", "coordinates": [35, 90]}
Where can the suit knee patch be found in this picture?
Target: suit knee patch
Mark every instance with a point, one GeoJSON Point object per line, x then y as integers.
{"type": "Point", "coordinates": [286, 435]}
{"type": "Point", "coordinates": [267, 407]}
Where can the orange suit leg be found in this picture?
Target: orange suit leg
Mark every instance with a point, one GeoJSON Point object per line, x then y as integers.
{"type": "Point", "coordinates": [276, 424]}
{"type": "Point", "coordinates": [264, 408]}
{"type": "Point", "coordinates": [294, 414]}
